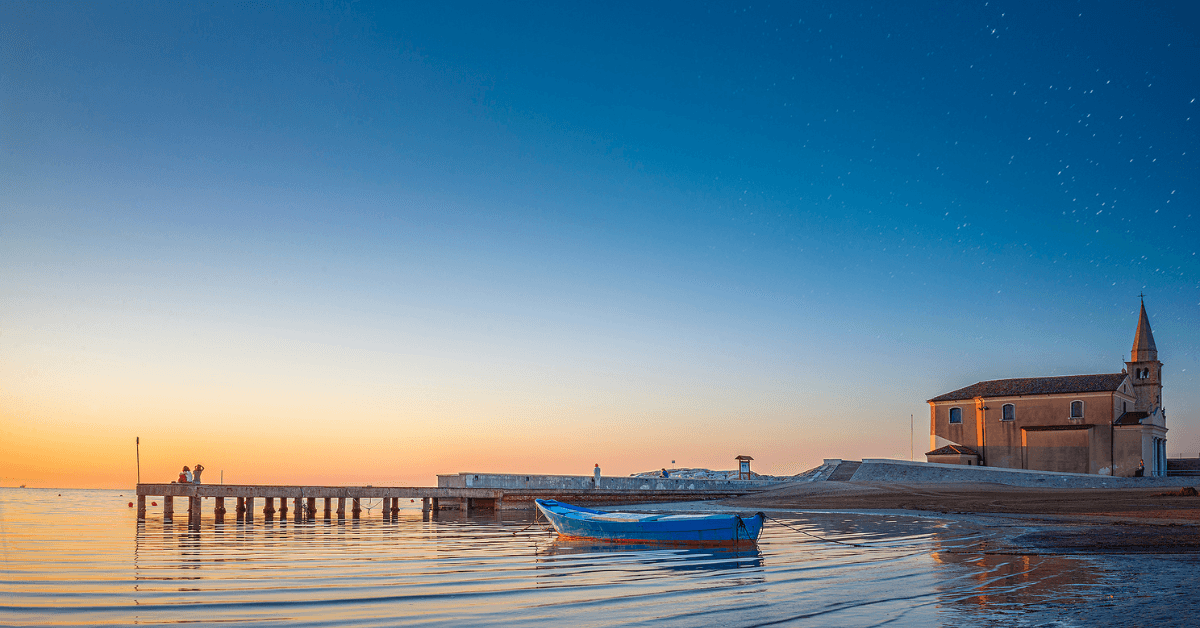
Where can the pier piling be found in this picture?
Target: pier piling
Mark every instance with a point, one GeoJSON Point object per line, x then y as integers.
{"type": "Point", "coordinates": [468, 499]}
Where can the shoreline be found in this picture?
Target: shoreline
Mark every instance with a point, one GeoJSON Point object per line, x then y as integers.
{"type": "Point", "coordinates": [1018, 520]}
{"type": "Point", "coordinates": [1138, 504]}
{"type": "Point", "coordinates": [1024, 520]}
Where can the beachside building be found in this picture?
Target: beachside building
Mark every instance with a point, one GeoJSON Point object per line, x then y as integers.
{"type": "Point", "coordinates": [1107, 424]}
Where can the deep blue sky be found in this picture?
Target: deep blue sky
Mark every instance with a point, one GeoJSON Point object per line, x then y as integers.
{"type": "Point", "coordinates": [600, 224]}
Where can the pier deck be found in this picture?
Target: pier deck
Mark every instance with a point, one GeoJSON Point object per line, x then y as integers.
{"type": "Point", "coordinates": [334, 499]}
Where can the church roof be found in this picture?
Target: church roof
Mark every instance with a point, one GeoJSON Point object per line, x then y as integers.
{"type": "Point", "coordinates": [1131, 418]}
{"type": "Point", "coordinates": [1143, 342]}
{"type": "Point", "coordinates": [1036, 386]}
{"type": "Point", "coordinates": [953, 449]}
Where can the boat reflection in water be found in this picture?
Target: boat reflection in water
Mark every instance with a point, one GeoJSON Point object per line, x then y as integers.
{"type": "Point", "coordinates": [589, 555]}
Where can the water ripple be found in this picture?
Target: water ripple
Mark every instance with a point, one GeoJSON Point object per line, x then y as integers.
{"type": "Point", "coordinates": [78, 557]}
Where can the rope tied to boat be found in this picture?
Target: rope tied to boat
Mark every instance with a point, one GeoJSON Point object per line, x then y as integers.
{"type": "Point", "coordinates": [741, 527]}
{"type": "Point", "coordinates": [536, 516]}
{"type": "Point", "coordinates": [810, 533]}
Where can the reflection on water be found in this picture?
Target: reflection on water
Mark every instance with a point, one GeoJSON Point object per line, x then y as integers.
{"type": "Point", "coordinates": [665, 557]}
{"type": "Point", "coordinates": [81, 559]}
{"type": "Point", "coordinates": [1004, 581]}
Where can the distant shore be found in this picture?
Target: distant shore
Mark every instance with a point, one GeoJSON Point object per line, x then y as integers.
{"type": "Point", "coordinates": [1062, 520]}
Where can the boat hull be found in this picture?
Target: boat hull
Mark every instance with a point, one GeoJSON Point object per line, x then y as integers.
{"type": "Point", "coordinates": [574, 522]}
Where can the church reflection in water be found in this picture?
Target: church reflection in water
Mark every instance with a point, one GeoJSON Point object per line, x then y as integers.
{"type": "Point", "coordinates": [986, 585]}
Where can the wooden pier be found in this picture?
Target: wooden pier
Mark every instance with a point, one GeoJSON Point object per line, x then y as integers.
{"type": "Point", "coordinates": [330, 502]}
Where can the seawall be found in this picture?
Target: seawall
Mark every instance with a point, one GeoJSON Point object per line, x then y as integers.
{"type": "Point", "coordinates": [904, 472]}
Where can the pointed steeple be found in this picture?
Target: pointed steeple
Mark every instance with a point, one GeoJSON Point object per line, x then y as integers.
{"type": "Point", "coordinates": [1143, 343]}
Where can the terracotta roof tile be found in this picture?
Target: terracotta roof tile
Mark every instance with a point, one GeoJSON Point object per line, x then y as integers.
{"type": "Point", "coordinates": [1036, 386]}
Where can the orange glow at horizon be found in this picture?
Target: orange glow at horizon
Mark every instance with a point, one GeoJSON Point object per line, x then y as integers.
{"type": "Point", "coordinates": [96, 451]}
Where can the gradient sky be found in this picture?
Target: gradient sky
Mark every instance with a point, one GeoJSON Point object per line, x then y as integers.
{"type": "Point", "coordinates": [364, 243]}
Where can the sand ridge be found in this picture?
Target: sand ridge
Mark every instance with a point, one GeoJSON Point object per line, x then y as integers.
{"type": "Point", "coordinates": [1135, 504]}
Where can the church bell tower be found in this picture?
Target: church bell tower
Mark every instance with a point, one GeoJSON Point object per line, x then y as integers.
{"type": "Point", "coordinates": [1145, 371]}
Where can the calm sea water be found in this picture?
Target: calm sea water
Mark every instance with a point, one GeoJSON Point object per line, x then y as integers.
{"type": "Point", "coordinates": [80, 558]}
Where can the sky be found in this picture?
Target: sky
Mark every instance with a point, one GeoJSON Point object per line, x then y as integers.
{"type": "Point", "coordinates": [370, 243]}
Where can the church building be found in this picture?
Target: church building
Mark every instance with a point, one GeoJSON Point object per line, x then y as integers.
{"type": "Point", "coordinates": [1107, 424]}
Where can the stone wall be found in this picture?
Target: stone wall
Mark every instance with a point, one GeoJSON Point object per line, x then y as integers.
{"type": "Point", "coordinates": [903, 471]}
{"type": "Point", "coordinates": [514, 481]}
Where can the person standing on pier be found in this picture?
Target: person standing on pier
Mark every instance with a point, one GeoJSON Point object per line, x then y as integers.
{"type": "Point", "coordinates": [196, 473]}
{"type": "Point", "coordinates": [596, 474]}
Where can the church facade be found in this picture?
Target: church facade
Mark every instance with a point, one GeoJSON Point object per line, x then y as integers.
{"type": "Point", "coordinates": [1106, 424]}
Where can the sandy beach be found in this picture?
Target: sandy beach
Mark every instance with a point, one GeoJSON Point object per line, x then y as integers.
{"type": "Point", "coordinates": [1124, 520]}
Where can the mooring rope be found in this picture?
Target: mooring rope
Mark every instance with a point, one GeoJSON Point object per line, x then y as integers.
{"type": "Point", "coordinates": [811, 534]}
{"type": "Point", "coordinates": [536, 516]}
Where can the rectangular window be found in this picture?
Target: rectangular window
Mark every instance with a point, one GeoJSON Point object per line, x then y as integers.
{"type": "Point", "coordinates": [1076, 409]}
{"type": "Point", "coordinates": [1009, 412]}
{"type": "Point", "coordinates": [956, 415]}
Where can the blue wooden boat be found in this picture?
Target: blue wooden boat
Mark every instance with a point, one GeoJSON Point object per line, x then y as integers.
{"type": "Point", "coordinates": [629, 527]}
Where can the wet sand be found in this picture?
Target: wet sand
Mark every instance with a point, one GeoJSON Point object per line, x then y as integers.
{"type": "Point", "coordinates": [1140, 520]}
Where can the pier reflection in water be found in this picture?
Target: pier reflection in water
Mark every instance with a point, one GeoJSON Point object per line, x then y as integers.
{"type": "Point", "coordinates": [451, 569]}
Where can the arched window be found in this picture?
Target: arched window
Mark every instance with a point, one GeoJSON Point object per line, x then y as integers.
{"type": "Point", "coordinates": [1076, 409]}
{"type": "Point", "coordinates": [956, 415]}
{"type": "Point", "coordinates": [1008, 412]}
